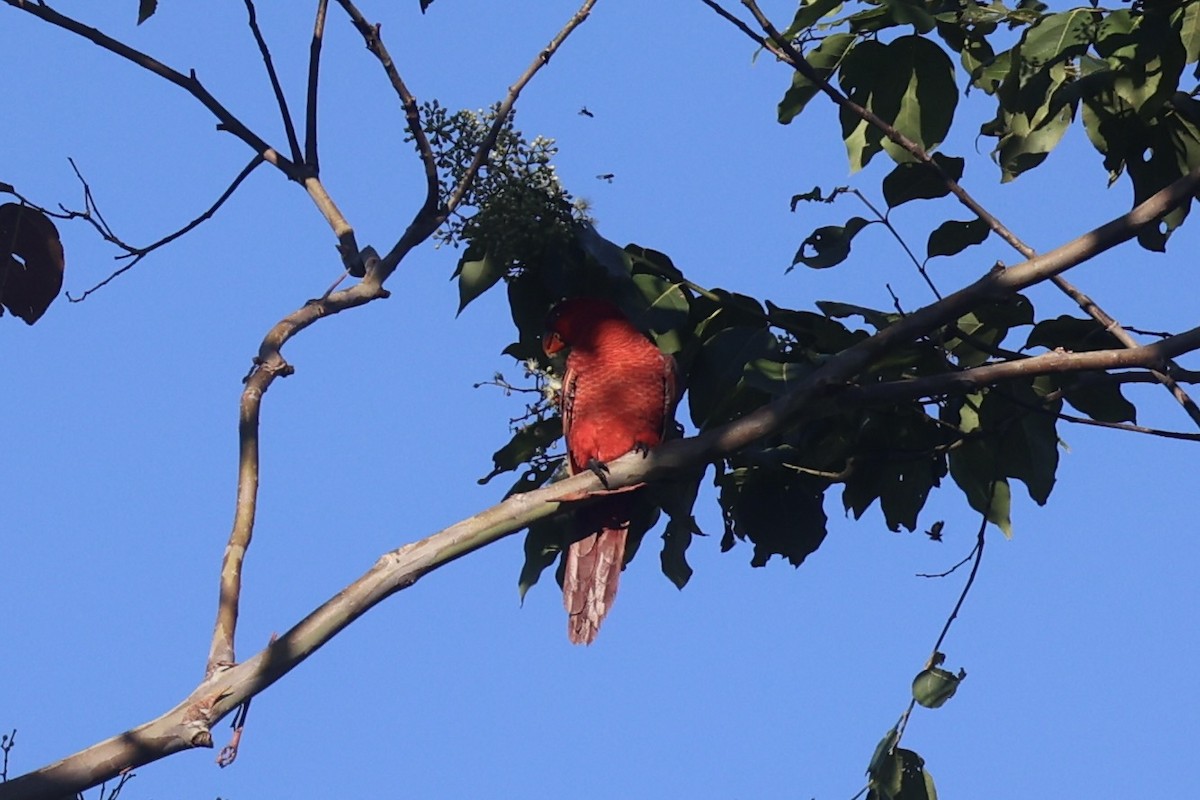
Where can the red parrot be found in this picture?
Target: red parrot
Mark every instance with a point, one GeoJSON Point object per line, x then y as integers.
{"type": "Point", "coordinates": [618, 394]}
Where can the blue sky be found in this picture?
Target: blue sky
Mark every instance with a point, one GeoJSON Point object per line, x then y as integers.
{"type": "Point", "coordinates": [119, 449]}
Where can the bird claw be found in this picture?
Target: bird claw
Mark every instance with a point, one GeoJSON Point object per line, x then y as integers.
{"type": "Point", "coordinates": [641, 448]}
{"type": "Point", "coordinates": [600, 469]}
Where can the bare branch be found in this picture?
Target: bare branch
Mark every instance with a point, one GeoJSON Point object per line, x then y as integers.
{"type": "Point", "coordinates": [138, 253]}
{"type": "Point", "coordinates": [299, 172]}
{"type": "Point", "coordinates": [270, 362]}
{"type": "Point", "coordinates": [288, 125]}
{"type": "Point", "coordinates": [311, 159]}
{"type": "Point", "coordinates": [505, 108]}
{"type": "Point", "coordinates": [189, 83]}
{"type": "Point", "coordinates": [412, 112]}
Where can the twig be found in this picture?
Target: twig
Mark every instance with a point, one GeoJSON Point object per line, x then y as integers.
{"type": "Point", "coordinates": [189, 83]}
{"type": "Point", "coordinates": [1054, 362]}
{"type": "Point", "coordinates": [138, 253]}
{"type": "Point", "coordinates": [311, 159]}
{"type": "Point", "coordinates": [412, 111]}
{"type": "Point", "coordinates": [299, 172]}
{"type": "Point", "coordinates": [7, 742]}
{"type": "Point", "coordinates": [951, 571]}
{"type": "Point", "coordinates": [977, 553]}
{"type": "Point", "coordinates": [1126, 426]}
{"type": "Point", "coordinates": [288, 125]}
{"type": "Point", "coordinates": [887, 223]}
{"type": "Point", "coordinates": [505, 107]}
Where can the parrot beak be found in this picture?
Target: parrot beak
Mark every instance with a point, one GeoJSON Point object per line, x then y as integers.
{"type": "Point", "coordinates": [552, 343]}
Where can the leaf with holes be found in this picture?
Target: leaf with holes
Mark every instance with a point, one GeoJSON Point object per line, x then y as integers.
{"type": "Point", "coordinates": [830, 245]}
{"type": "Point", "coordinates": [31, 262]}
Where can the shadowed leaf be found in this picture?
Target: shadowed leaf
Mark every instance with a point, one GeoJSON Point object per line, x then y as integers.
{"type": "Point", "coordinates": [31, 262]}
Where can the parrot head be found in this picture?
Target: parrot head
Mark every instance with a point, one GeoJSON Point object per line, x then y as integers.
{"type": "Point", "coordinates": [575, 321]}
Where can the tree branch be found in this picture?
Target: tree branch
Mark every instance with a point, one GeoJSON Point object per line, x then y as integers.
{"type": "Point", "coordinates": [1149, 356]}
{"type": "Point", "coordinates": [189, 83]}
{"type": "Point", "coordinates": [288, 126]}
{"type": "Point", "coordinates": [297, 172]}
{"type": "Point", "coordinates": [270, 362]}
{"type": "Point", "coordinates": [412, 112]}
{"type": "Point", "coordinates": [188, 724]}
{"type": "Point", "coordinates": [784, 50]}
{"type": "Point", "coordinates": [311, 159]}
{"type": "Point", "coordinates": [138, 253]}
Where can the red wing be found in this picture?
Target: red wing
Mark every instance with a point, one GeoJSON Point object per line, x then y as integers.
{"type": "Point", "coordinates": [566, 406]}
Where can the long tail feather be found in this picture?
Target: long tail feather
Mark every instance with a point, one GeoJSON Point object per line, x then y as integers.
{"type": "Point", "coordinates": [590, 581]}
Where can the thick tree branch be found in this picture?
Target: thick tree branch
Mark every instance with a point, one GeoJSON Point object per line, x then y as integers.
{"type": "Point", "coordinates": [783, 49]}
{"type": "Point", "coordinates": [188, 724]}
{"type": "Point", "coordinates": [1148, 356]}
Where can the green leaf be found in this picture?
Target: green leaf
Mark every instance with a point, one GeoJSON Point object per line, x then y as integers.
{"type": "Point", "coordinates": [907, 12]}
{"type": "Point", "coordinates": [976, 334]}
{"type": "Point", "coordinates": [908, 83]}
{"type": "Point", "coordinates": [1187, 21]}
{"type": "Point", "coordinates": [1073, 334]}
{"type": "Point", "coordinates": [897, 459]}
{"type": "Point", "coordinates": [808, 15]}
{"type": "Point", "coordinates": [527, 442]}
{"type": "Point", "coordinates": [830, 245]}
{"type": "Point", "coordinates": [715, 392]}
{"type": "Point", "coordinates": [813, 332]}
{"type": "Point", "coordinates": [952, 237]}
{"type": "Point", "coordinates": [661, 307]}
{"type": "Point", "coordinates": [476, 275]}
{"type": "Point", "coordinates": [543, 542]}
{"type": "Point", "coordinates": [824, 59]}
{"type": "Point", "coordinates": [673, 558]}
{"type": "Point", "coordinates": [1056, 38]}
{"type": "Point", "coordinates": [901, 776]}
{"type": "Point", "coordinates": [146, 9]}
{"type": "Point", "coordinates": [918, 181]}
{"type": "Point", "coordinates": [933, 686]}
{"type": "Point", "coordinates": [775, 377]}
{"type": "Point", "coordinates": [678, 498]}
{"type": "Point", "coordinates": [614, 260]}
{"type": "Point", "coordinates": [883, 753]}
{"type": "Point", "coordinates": [974, 468]}
{"type": "Point", "coordinates": [646, 260]}
{"type": "Point", "coordinates": [1099, 397]}
{"type": "Point", "coordinates": [878, 319]}
{"type": "Point", "coordinates": [777, 509]}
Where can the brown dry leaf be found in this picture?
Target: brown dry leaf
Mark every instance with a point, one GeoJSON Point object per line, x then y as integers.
{"type": "Point", "coordinates": [31, 262]}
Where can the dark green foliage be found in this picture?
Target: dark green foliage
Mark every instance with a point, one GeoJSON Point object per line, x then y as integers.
{"type": "Point", "coordinates": [773, 506]}
{"type": "Point", "coordinates": [916, 181]}
{"type": "Point", "coordinates": [1123, 72]}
